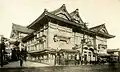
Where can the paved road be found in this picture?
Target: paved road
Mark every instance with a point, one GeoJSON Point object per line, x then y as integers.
{"type": "Point", "coordinates": [62, 69]}
{"type": "Point", "coordinates": [16, 64]}
{"type": "Point", "coordinates": [39, 67]}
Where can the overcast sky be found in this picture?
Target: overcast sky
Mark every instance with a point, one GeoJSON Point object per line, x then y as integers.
{"type": "Point", "coordinates": [94, 12]}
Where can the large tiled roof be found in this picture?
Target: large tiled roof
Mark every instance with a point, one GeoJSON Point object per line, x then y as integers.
{"type": "Point", "coordinates": [22, 29]}
{"type": "Point", "coordinates": [46, 13]}
{"type": "Point", "coordinates": [63, 15]}
{"type": "Point", "coordinates": [72, 18]}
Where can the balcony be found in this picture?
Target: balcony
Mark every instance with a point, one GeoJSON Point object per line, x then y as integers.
{"type": "Point", "coordinates": [41, 39]}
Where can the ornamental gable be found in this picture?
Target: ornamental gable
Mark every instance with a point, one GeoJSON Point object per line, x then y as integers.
{"type": "Point", "coordinates": [76, 17]}
{"type": "Point", "coordinates": [104, 30]}
{"type": "Point", "coordinates": [16, 29]}
{"type": "Point", "coordinates": [62, 12]}
{"type": "Point", "coordinates": [100, 29]}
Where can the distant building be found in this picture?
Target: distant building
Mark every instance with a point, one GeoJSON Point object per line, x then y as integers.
{"type": "Point", "coordinates": [17, 33]}
{"type": "Point", "coordinates": [115, 53]}
{"type": "Point", "coordinates": [59, 38]}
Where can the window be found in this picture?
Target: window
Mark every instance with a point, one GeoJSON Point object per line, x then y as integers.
{"type": "Point", "coordinates": [69, 56]}
{"type": "Point", "coordinates": [72, 57]}
{"type": "Point", "coordinates": [99, 46]}
{"type": "Point", "coordinates": [103, 47]}
{"type": "Point", "coordinates": [85, 52]}
{"type": "Point", "coordinates": [89, 53]}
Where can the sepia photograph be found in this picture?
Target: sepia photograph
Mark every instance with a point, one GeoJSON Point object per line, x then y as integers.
{"type": "Point", "coordinates": [59, 35]}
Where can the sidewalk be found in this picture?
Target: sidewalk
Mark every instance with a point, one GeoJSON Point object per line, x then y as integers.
{"type": "Point", "coordinates": [25, 64]}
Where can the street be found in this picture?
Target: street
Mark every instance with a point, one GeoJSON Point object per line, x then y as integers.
{"type": "Point", "coordinates": [38, 67]}
{"type": "Point", "coordinates": [16, 64]}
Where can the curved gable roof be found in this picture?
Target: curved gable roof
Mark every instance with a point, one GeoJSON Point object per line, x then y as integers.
{"type": "Point", "coordinates": [101, 30]}
{"type": "Point", "coordinates": [21, 29]}
{"type": "Point", "coordinates": [62, 12]}
{"type": "Point", "coordinates": [18, 28]}
{"type": "Point", "coordinates": [76, 17]}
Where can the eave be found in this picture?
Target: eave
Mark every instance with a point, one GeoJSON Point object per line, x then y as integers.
{"type": "Point", "coordinates": [108, 36]}
{"type": "Point", "coordinates": [38, 19]}
{"type": "Point", "coordinates": [113, 50]}
{"type": "Point", "coordinates": [64, 20]}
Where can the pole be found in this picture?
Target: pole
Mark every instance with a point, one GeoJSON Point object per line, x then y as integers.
{"type": "Point", "coordinates": [95, 52]}
{"type": "Point", "coordinates": [83, 42]}
{"type": "Point", "coordinates": [1, 58]}
{"type": "Point", "coordinates": [1, 53]}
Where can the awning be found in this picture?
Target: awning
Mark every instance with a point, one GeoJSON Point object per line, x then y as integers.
{"type": "Point", "coordinates": [103, 55]}
{"type": "Point", "coordinates": [31, 52]}
{"type": "Point", "coordinates": [44, 51]}
{"type": "Point", "coordinates": [114, 55]}
{"type": "Point", "coordinates": [69, 50]}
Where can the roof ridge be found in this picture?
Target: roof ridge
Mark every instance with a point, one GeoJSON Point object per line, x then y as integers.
{"type": "Point", "coordinates": [21, 28]}
{"type": "Point", "coordinates": [63, 7]}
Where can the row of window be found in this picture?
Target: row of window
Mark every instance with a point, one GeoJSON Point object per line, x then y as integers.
{"type": "Point", "coordinates": [35, 47]}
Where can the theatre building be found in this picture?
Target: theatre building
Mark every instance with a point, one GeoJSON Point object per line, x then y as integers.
{"type": "Point", "coordinates": [62, 38]}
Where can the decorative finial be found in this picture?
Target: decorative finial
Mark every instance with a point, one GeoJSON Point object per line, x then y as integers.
{"type": "Point", "coordinates": [63, 5]}
{"type": "Point", "coordinates": [77, 10]}
{"type": "Point", "coordinates": [45, 10]}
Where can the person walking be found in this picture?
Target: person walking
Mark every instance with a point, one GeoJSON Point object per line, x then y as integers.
{"type": "Point", "coordinates": [14, 55]}
{"type": "Point", "coordinates": [2, 50]}
{"type": "Point", "coordinates": [18, 54]}
{"type": "Point", "coordinates": [21, 57]}
{"type": "Point", "coordinates": [21, 61]}
{"type": "Point", "coordinates": [25, 54]}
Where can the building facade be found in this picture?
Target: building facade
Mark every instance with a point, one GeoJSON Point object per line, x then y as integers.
{"type": "Point", "coordinates": [17, 33]}
{"type": "Point", "coordinates": [62, 38]}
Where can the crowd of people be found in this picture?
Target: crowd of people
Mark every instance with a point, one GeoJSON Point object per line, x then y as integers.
{"type": "Point", "coordinates": [17, 54]}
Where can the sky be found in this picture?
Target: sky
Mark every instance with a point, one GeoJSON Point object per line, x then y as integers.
{"type": "Point", "coordinates": [94, 12]}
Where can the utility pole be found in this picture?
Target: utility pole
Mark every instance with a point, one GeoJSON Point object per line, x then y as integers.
{"type": "Point", "coordinates": [83, 41]}
{"type": "Point", "coordinates": [95, 48]}
{"type": "Point", "coordinates": [1, 51]}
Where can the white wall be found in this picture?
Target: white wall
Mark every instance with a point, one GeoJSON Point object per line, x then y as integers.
{"type": "Point", "coordinates": [62, 32]}
{"type": "Point", "coordinates": [100, 40]}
